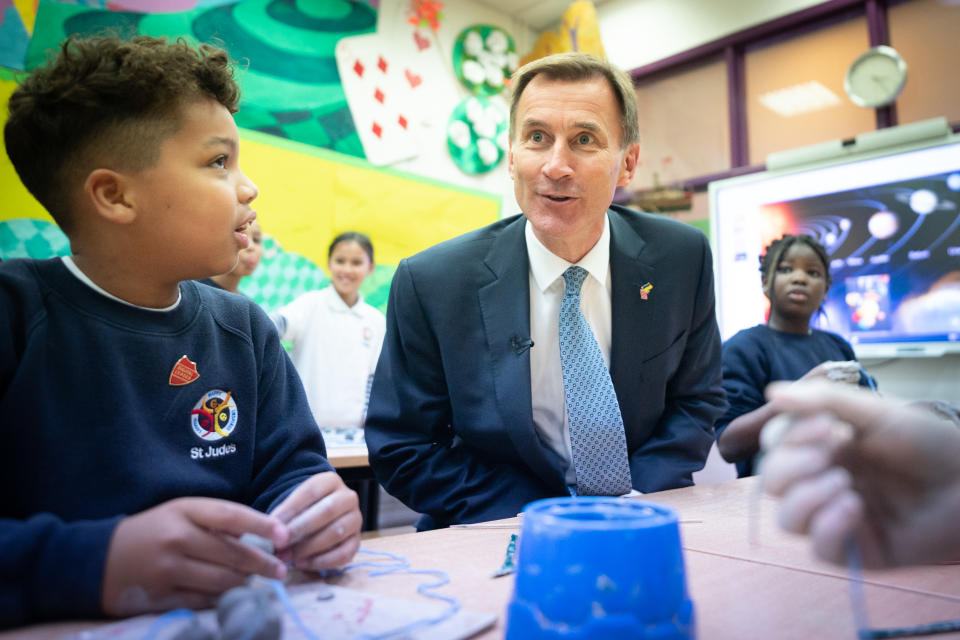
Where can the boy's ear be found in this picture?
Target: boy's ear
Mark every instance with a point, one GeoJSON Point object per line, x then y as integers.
{"type": "Point", "coordinates": [106, 191]}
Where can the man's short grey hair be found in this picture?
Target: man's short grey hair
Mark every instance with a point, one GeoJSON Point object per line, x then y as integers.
{"type": "Point", "coordinates": [574, 67]}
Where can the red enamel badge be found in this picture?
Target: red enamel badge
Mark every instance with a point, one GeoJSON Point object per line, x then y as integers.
{"type": "Point", "coordinates": [184, 372]}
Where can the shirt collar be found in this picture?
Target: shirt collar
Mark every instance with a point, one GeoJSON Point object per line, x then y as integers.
{"type": "Point", "coordinates": [75, 270]}
{"type": "Point", "coordinates": [336, 303]}
{"type": "Point", "coordinates": [546, 267]}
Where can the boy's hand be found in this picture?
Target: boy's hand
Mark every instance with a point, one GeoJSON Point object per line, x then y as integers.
{"type": "Point", "coordinates": [323, 517]}
{"type": "Point", "coordinates": [185, 553]}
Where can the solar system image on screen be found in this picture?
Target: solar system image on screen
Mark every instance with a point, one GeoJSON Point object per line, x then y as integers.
{"type": "Point", "coordinates": [891, 228]}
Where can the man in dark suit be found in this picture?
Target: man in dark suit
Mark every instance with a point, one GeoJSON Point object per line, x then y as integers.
{"type": "Point", "coordinates": [468, 419]}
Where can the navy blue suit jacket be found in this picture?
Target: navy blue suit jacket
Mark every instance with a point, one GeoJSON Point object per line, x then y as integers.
{"type": "Point", "coordinates": [449, 426]}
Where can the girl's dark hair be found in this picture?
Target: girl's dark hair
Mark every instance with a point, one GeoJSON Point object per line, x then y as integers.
{"type": "Point", "coordinates": [772, 255]}
{"type": "Point", "coordinates": [352, 236]}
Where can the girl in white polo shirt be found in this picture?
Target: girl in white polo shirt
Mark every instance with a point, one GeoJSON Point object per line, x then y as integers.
{"type": "Point", "coordinates": [336, 336]}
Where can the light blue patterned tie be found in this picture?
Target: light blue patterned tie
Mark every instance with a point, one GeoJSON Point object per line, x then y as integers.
{"type": "Point", "coordinates": [597, 440]}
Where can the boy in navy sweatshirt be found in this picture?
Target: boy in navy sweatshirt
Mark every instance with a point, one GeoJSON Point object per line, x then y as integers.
{"type": "Point", "coordinates": [148, 421]}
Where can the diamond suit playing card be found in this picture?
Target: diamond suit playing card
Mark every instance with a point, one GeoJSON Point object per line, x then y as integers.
{"type": "Point", "coordinates": [380, 92]}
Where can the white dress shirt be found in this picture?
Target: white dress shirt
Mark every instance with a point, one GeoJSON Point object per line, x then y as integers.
{"type": "Point", "coordinates": [546, 293]}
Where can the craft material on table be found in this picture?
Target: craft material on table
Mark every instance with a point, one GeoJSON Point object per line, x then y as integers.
{"type": "Point", "coordinates": [598, 568]}
{"type": "Point", "coordinates": [349, 614]}
{"type": "Point", "coordinates": [334, 437]}
{"type": "Point", "coordinates": [509, 565]}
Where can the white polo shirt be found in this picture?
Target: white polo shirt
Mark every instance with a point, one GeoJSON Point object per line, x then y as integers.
{"type": "Point", "coordinates": [335, 351]}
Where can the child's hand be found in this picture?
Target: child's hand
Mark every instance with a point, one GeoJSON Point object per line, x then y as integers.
{"type": "Point", "coordinates": [185, 553]}
{"type": "Point", "coordinates": [854, 465]}
{"type": "Point", "coordinates": [847, 371]}
{"type": "Point", "coordinates": [323, 517]}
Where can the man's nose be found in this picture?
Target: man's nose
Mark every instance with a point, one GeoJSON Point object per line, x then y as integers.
{"type": "Point", "coordinates": [558, 164]}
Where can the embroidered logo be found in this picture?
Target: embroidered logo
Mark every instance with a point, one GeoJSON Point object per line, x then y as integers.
{"type": "Point", "coordinates": [367, 336]}
{"type": "Point", "coordinates": [214, 416]}
{"type": "Point", "coordinates": [184, 372]}
{"type": "Point", "coordinates": [645, 291]}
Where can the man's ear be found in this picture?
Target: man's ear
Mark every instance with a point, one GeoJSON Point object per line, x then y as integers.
{"type": "Point", "coordinates": [106, 189]}
{"type": "Point", "coordinates": [631, 158]}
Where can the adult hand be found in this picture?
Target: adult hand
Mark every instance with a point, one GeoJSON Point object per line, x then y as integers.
{"type": "Point", "coordinates": [835, 371]}
{"type": "Point", "coordinates": [856, 466]}
{"type": "Point", "coordinates": [323, 517]}
{"type": "Point", "coordinates": [185, 553]}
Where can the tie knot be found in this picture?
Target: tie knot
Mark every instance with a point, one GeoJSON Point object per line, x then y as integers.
{"type": "Point", "coordinates": [574, 277]}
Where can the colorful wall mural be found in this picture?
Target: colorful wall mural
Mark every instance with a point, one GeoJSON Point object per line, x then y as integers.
{"type": "Point", "coordinates": [299, 140]}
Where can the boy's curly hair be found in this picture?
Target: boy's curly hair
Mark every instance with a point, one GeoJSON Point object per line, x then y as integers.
{"type": "Point", "coordinates": [772, 255]}
{"type": "Point", "coordinates": [106, 102]}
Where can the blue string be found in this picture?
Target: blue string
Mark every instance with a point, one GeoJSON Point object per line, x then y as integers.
{"type": "Point", "coordinates": [170, 616]}
{"type": "Point", "coordinates": [857, 598]}
{"type": "Point", "coordinates": [399, 564]}
{"type": "Point", "coordinates": [908, 632]}
{"type": "Point", "coordinates": [402, 565]}
{"type": "Point", "coordinates": [284, 597]}
{"type": "Point", "coordinates": [858, 602]}
{"type": "Point", "coordinates": [870, 381]}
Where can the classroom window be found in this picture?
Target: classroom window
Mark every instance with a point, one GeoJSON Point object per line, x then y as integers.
{"type": "Point", "coordinates": [925, 32]}
{"type": "Point", "coordinates": [684, 125]}
{"type": "Point", "coordinates": [794, 89]}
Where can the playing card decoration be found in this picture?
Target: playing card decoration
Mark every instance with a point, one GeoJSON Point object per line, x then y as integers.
{"type": "Point", "coordinates": [380, 91]}
{"type": "Point", "coordinates": [477, 135]}
{"type": "Point", "coordinates": [484, 57]}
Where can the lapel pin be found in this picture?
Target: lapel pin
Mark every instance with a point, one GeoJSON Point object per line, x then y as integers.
{"type": "Point", "coordinates": [645, 291]}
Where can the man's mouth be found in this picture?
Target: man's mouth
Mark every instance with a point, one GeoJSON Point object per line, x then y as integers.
{"type": "Point", "coordinates": [558, 198]}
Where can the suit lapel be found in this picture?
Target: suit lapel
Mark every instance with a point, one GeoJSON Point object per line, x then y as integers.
{"type": "Point", "coordinates": [633, 311]}
{"type": "Point", "coordinates": [505, 309]}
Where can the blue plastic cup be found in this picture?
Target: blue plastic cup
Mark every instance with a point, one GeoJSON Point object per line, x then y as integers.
{"type": "Point", "coordinates": [599, 568]}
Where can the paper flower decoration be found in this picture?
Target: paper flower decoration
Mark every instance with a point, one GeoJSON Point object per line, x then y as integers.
{"type": "Point", "coordinates": [484, 57]}
{"type": "Point", "coordinates": [477, 135]}
{"type": "Point", "coordinates": [426, 13]}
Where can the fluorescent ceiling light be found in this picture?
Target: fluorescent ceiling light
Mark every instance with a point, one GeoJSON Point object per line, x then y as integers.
{"type": "Point", "coordinates": [800, 98]}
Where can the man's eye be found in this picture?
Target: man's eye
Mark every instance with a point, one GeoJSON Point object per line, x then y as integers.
{"type": "Point", "coordinates": [220, 162]}
{"type": "Point", "coordinates": [536, 136]}
{"type": "Point", "coordinates": [584, 139]}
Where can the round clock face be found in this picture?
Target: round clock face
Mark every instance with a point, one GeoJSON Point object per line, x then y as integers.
{"type": "Point", "coordinates": [876, 78]}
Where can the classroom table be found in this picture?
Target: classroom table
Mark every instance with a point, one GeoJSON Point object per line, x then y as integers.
{"type": "Point", "coordinates": [747, 578]}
